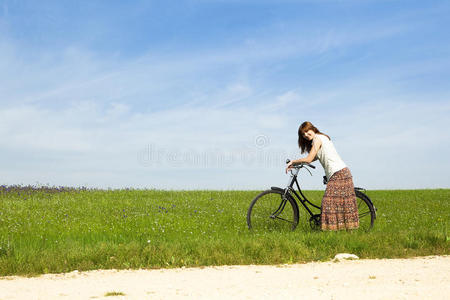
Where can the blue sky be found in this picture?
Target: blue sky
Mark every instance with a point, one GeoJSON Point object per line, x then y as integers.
{"type": "Point", "coordinates": [209, 94]}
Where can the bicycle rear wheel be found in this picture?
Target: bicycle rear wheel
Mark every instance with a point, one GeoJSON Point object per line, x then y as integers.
{"type": "Point", "coordinates": [272, 211]}
{"type": "Point", "coordinates": [366, 211]}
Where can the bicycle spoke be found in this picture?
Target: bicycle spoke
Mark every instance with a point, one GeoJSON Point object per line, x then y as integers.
{"type": "Point", "coordinates": [283, 219]}
{"type": "Point", "coordinates": [364, 214]}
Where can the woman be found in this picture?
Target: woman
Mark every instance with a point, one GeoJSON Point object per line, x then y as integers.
{"type": "Point", "coordinates": [339, 209]}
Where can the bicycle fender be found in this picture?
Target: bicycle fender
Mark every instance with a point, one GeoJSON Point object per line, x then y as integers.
{"type": "Point", "coordinates": [275, 188]}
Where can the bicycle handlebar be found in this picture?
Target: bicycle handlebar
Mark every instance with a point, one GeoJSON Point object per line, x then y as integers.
{"type": "Point", "coordinates": [301, 164]}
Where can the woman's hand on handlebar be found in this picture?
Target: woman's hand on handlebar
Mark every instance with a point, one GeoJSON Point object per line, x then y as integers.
{"type": "Point", "coordinates": [289, 166]}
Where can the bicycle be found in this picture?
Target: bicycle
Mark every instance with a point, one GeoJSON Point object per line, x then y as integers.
{"type": "Point", "coordinates": [277, 208]}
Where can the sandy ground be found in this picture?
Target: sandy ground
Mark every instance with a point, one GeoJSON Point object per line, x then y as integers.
{"type": "Point", "coordinates": [417, 278]}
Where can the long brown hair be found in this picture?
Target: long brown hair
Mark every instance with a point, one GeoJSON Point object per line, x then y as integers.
{"type": "Point", "coordinates": [303, 143]}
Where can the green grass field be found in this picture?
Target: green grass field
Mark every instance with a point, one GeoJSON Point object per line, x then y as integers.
{"type": "Point", "coordinates": [51, 230]}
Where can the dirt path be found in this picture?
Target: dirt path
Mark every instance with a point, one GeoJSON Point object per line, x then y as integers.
{"type": "Point", "coordinates": [417, 278]}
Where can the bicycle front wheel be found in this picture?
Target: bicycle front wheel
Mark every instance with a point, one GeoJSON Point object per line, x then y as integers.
{"type": "Point", "coordinates": [272, 211]}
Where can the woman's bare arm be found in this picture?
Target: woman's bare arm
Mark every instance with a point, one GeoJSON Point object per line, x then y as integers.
{"type": "Point", "coordinates": [317, 143]}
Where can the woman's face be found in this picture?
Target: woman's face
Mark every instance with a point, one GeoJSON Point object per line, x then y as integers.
{"type": "Point", "coordinates": [309, 135]}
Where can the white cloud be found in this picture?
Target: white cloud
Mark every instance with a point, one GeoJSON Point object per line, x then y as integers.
{"type": "Point", "coordinates": [82, 141]}
{"type": "Point", "coordinates": [77, 118]}
{"type": "Point", "coordinates": [284, 101]}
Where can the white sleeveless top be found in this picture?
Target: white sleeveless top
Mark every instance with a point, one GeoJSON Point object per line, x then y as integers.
{"type": "Point", "coordinates": [328, 156]}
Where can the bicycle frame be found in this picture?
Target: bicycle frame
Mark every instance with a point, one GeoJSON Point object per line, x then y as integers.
{"type": "Point", "coordinates": [289, 188]}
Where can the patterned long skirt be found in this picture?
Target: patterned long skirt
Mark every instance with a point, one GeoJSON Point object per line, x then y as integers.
{"type": "Point", "coordinates": [339, 208]}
